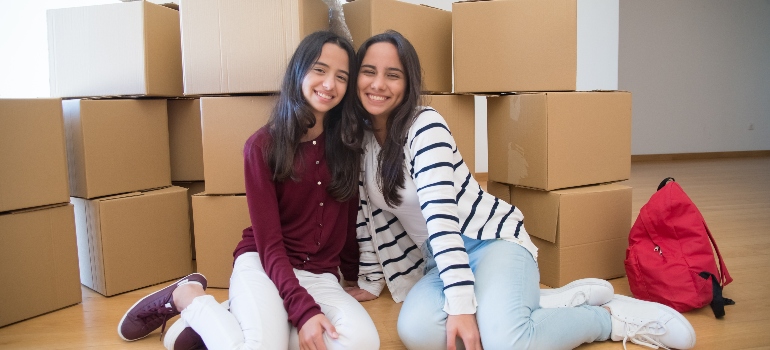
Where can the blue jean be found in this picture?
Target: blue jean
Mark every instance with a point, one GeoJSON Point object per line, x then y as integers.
{"type": "Point", "coordinates": [508, 295]}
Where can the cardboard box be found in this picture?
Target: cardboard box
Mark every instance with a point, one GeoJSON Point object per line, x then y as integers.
{"type": "Point", "coordinates": [33, 159]}
{"type": "Point", "coordinates": [219, 225]}
{"type": "Point", "coordinates": [192, 188]}
{"type": "Point", "coordinates": [559, 139]}
{"type": "Point", "coordinates": [38, 262]}
{"type": "Point", "coordinates": [499, 190]}
{"type": "Point", "coordinates": [460, 115]}
{"type": "Point", "coordinates": [122, 49]}
{"type": "Point", "coordinates": [185, 139]}
{"type": "Point", "coordinates": [133, 240]}
{"type": "Point", "coordinates": [580, 232]}
{"type": "Point", "coordinates": [116, 146]}
{"type": "Point", "coordinates": [428, 29]}
{"type": "Point", "coordinates": [237, 46]}
{"type": "Point", "coordinates": [535, 45]}
{"type": "Point", "coordinates": [227, 123]}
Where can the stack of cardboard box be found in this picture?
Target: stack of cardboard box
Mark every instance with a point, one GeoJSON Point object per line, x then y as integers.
{"type": "Point", "coordinates": [116, 65]}
{"type": "Point", "coordinates": [38, 254]}
{"type": "Point", "coordinates": [430, 32]}
{"type": "Point", "coordinates": [229, 48]}
{"type": "Point", "coordinates": [558, 130]}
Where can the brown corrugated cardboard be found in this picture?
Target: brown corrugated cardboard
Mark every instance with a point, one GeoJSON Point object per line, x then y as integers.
{"type": "Point", "coordinates": [192, 188]}
{"type": "Point", "coordinates": [133, 240]}
{"type": "Point", "coordinates": [559, 139]}
{"type": "Point", "coordinates": [33, 159]}
{"type": "Point", "coordinates": [559, 266]}
{"type": "Point", "coordinates": [535, 45]}
{"type": "Point", "coordinates": [227, 123]}
{"type": "Point", "coordinates": [583, 232]}
{"type": "Point", "coordinates": [38, 262]}
{"type": "Point", "coordinates": [460, 115]}
{"type": "Point", "coordinates": [117, 49]}
{"type": "Point", "coordinates": [243, 46]}
{"type": "Point", "coordinates": [499, 190]}
{"type": "Point", "coordinates": [219, 224]}
{"type": "Point", "coordinates": [116, 146]}
{"type": "Point", "coordinates": [185, 139]}
{"type": "Point", "coordinates": [428, 29]}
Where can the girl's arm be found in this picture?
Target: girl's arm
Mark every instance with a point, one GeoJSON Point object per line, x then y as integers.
{"type": "Point", "coordinates": [268, 237]}
{"type": "Point", "coordinates": [431, 164]}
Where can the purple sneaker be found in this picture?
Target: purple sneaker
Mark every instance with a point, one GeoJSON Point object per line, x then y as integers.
{"type": "Point", "coordinates": [152, 311]}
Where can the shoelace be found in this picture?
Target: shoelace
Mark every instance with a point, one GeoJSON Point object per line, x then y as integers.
{"type": "Point", "coordinates": [582, 295]}
{"type": "Point", "coordinates": [165, 311]}
{"type": "Point", "coordinates": [640, 334]}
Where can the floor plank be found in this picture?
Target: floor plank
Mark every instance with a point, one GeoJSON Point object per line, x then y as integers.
{"type": "Point", "coordinates": [733, 194]}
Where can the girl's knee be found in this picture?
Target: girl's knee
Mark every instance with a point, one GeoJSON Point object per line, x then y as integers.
{"type": "Point", "coordinates": [360, 335]}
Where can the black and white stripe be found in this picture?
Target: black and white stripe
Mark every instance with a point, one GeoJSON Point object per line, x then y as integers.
{"type": "Point", "coordinates": [452, 203]}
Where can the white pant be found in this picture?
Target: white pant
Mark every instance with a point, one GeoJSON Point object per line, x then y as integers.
{"type": "Point", "coordinates": [258, 320]}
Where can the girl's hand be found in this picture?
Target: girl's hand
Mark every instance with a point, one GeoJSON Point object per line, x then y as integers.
{"type": "Point", "coordinates": [465, 327]}
{"type": "Point", "coordinates": [360, 294]}
{"type": "Point", "coordinates": [311, 333]}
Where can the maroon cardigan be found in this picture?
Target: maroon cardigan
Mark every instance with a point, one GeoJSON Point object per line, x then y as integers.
{"type": "Point", "coordinates": [297, 224]}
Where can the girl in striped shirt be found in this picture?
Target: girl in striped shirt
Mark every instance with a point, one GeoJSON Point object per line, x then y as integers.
{"type": "Point", "coordinates": [459, 258]}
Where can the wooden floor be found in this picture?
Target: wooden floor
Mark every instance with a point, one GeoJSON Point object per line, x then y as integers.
{"type": "Point", "coordinates": [733, 194]}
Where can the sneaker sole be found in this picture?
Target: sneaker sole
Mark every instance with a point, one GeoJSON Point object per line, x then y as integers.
{"type": "Point", "coordinates": [145, 297]}
{"type": "Point", "coordinates": [579, 283]}
{"type": "Point", "coordinates": [677, 314]}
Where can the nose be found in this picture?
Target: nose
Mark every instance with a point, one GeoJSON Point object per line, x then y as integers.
{"type": "Point", "coordinates": [329, 82]}
{"type": "Point", "coordinates": [378, 82]}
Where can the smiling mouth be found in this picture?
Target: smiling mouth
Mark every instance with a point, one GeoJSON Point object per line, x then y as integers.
{"type": "Point", "coordinates": [376, 98]}
{"type": "Point", "coordinates": [323, 95]}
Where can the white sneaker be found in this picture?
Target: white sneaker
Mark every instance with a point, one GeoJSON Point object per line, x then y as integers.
{"type": "Point", "coordinates": [590, 291]}
{"type": "Point", "coordinates": [649, 324]}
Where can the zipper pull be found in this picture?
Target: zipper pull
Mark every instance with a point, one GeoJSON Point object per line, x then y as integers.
{"type": "Point", "coordinates": [660, 251]}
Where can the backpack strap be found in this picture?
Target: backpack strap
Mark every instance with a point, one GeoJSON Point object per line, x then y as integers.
{"type": "Point", "coordinates": [664, 182]}
{"type": "Point", "coordinates": [724, 276]}
{"type": "Point", "coordinates": [718, 302]}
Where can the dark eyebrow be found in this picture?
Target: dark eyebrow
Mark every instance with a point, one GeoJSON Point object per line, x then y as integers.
{"type": "Point", "coordinates": [389, 68]}
{"type": "Point", "coordinates": [327, 66]}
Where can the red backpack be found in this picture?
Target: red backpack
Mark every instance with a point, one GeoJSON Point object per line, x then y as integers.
{"type": "Point", "coordinates": [670, 259]}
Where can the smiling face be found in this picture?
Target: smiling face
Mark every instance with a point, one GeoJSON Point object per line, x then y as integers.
{"type": "Point", "coordinates": [325, 83]}
{"type": "Point", "coordinates": [381, 80]}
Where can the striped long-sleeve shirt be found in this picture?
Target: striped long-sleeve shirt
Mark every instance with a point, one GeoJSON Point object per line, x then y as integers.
{"type": "Point", "coordinates": [452, 203]}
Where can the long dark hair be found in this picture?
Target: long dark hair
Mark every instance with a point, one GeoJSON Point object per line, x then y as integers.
{"type": "Point", "coordinates": [390, 162]}
{"type": "Point", "coordinates": [293, 116]}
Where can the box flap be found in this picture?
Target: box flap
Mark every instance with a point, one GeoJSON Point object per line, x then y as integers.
{"type": "Point", "coordinates": [594, 213]}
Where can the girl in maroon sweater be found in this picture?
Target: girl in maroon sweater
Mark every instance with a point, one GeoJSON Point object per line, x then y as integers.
{"type": "Point", "coordinates": [301, 188]}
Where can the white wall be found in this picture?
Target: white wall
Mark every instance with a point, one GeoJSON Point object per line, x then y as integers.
{"type": "Point", "coordinates": [24, 45]}
{"type": "Point", "coordinates": [699, 72]}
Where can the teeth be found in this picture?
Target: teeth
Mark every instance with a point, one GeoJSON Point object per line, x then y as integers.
{"type": "Point", "coordinates": [377, 98]}
{"type": "Point", "coordinates": [323, 95]}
